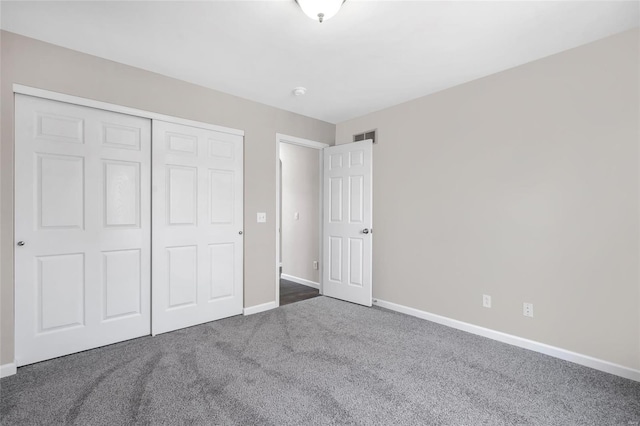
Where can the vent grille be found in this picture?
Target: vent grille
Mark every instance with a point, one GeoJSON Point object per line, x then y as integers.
{"type": "Point", "coordinates": [371, 134]}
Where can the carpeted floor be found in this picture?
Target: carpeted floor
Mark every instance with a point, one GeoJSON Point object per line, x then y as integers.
{"type": "Point", "coordinates": [319, 361]}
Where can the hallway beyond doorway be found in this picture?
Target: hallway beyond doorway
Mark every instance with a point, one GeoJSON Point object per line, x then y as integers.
{"type": "Point", "coordinates": [291, 292]}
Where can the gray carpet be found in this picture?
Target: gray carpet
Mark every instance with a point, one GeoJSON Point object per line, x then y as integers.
{"type": "Point", "coordinates": [320, 361]}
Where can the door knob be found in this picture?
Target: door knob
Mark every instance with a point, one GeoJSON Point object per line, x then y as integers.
{"type": "Point", "coordinates": [239, 232]}
{"type": "Point", "coordinates": [20, 243]}
{"type": "Point", "coordinates": [365, 231]}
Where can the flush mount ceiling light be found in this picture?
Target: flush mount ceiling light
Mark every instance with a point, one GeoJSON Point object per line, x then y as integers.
{"type": "Point", "coordinates": [320, 9]}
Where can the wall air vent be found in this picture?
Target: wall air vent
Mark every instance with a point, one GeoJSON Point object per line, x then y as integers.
{"type": "Point", "coordinates": [371, 134]}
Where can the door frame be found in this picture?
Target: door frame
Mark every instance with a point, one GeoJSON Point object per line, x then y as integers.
{"type": "Point", "coordinates": [91, 103]}
{"type": "Point", "coordinates": [281, 138]}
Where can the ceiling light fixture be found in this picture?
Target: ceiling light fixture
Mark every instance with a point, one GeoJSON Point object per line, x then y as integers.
{"type": "Point", "coordinates": [320, 9]}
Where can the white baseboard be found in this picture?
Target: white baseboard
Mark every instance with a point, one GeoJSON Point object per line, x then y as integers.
{"type": "Point", "coordinates": [300, 281]}
{"type": "Point", "coordinates": [8, 369]}
{"type": "Point", "coordinates": [259, 308]}
{"type": "Point", "coordinates": [587, 361]}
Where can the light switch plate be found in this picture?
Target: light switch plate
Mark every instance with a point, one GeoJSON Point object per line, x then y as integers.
{"type": "Point", "coordinates": [262, 217]}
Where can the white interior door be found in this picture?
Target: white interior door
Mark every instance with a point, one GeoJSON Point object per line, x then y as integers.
{"type": "Point", "coordinates": [82, 228]}
{"type": "Point", "coordinates": [197, 226]}
{"type": "Point", "coordinates": [347, 219]}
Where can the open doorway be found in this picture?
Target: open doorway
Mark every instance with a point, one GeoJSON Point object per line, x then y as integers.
{"type": "Point", "coordinates": [299, 219]}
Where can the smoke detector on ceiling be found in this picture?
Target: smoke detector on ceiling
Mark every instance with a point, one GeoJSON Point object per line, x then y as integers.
{"type": "Point", "coordinates": [299, 91]}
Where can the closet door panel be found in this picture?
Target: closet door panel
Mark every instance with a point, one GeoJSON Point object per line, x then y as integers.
{"type": "Point", "coordinates": [197, 224]}
{"type": "Point", "coordinates": [82, 228]}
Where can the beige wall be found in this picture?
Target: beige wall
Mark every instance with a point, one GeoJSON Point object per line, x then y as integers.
{"type": "Point", "coordinates": [522, 185]}
{"type": "Point", "coordinates": [300, 193]}
{"type": "Point", "coordinates": [37, 64]}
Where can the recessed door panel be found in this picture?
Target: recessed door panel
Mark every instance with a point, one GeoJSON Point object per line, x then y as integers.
{"type": "Point", "coordinates": [221, 149]}
{"type": "Point", "coordinates": [61, 191]}
{"type": "Point", "coordinates": [356, 199]}
{"type": "Point", "coordinates": [120, 137]}
{"type": "Point", "coordinates": [82, 216]}
{"type": "Point", "coordinates": [356, 158]}
{"type": "Point", "coordinates": [356, 254]}
{"type": "Point", "coordinates": [61, 291]}
{"type": "Point", "coordinates": [122, 283]}
{"type": "Point", "coordinates": [121, 193]}
{"type": "Point", "coordinates": [221, 200]}
{"type": "Point", "coordinates": [335, 259]}
{"type": "Point", "coordinates": [183, 276]}
{"type": "Point", "coordinates": [221, 259]}
{"type": "Point", "coordinates": [181, 143]}
{"type": "Point", "coordinates": [182, 191]}
{"type": "Point", "coordinates": [335, 200]}
{"type": "Point", "coordinates": [335, 161]}
{"type": "Point", "coordinates": [60, 128]}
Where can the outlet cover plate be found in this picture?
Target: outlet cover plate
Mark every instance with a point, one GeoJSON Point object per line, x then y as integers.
{"type": "Point", "coordinates": [486, 300]}
{"type": "Point", "coordinates": [527, 309]}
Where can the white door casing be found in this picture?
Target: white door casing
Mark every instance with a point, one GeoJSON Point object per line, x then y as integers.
{"type": "Point", "coordinates": [197, 264]}
{"type": "Point", "coordinates": [347, 221]}
{"type": "Point", "coordinates": [282, 138]}
{"type": "Point", "coordinates": [82, 209]}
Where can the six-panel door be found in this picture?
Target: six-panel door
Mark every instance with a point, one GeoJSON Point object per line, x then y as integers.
{"type": "Point", "coordinates": [347, 220]}
{"type": "Point", "coordinates": [197, 226]}
{"type": "Point", "coordinates": [82, 228]}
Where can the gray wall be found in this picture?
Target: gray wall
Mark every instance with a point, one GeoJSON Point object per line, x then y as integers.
{"type": "Point", "coordinates": [33, 63]}
{"type": "Point", "coordinates": [300, 192]}
{"type": "Point", "coordinates": [522, 185]}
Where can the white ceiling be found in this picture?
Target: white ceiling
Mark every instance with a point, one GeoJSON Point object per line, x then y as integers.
{"type": "Point", "coordinates": [372, 55]}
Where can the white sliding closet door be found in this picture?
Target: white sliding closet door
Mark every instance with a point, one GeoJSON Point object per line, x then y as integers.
{"type": "Point", "coordinates": [197, 226]}
{"type": "Point", "coordinates": [82, 228]}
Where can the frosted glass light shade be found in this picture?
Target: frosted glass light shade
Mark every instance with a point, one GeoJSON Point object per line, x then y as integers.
{"type": "Point", "coordinates": [320, 10]}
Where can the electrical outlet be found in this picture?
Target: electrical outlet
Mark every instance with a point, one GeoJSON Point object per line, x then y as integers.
{"type": "Point", "coordinates": [315, 264]}
{"type": "Point", "coordinates": [527, 309]}
{"type": "Point", "coordinates": [486, 300]}
{"type": "Point", "coordinates": [296, 216]}
{"type": "Point", "coordinates": [262, 217]}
